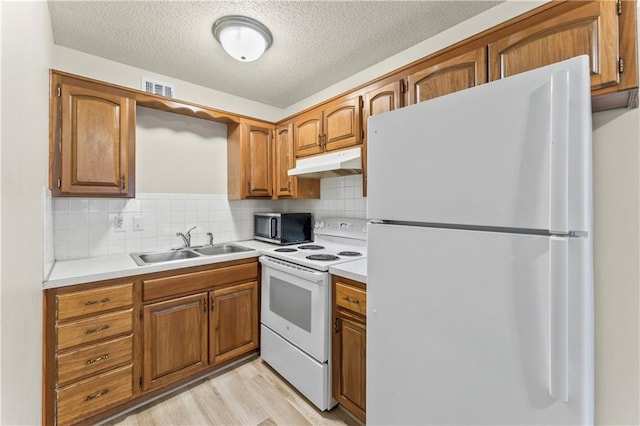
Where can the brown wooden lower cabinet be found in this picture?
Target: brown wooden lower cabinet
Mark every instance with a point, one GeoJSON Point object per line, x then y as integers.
{"type": "Point", "coordinates": [175, 339]}
{"type": "Point", "coordinates": [113, 344]}
{"type": "Point", "coordinates": [349, 350]}
{"type": "Point", "coordinates": [233, 321]}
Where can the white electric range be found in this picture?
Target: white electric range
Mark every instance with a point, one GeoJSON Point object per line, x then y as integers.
{"type": "Point", "coordinates": [296, 304]}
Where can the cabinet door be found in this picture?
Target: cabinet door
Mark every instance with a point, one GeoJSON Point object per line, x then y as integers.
{"type": "Point", "coordinates": [258, 156]}
{"type": "Point", "coordinates": [96, 138]}
{"type": "Point", "coordinates": [174, 339]}
{"type": "Point", "coordinates": [342, 124]}
{"type": "Point", "coordinates": [466, 70]}
{"type": "Point", "coordinates": [233, 321]}
{"type": "Point", "coordinates": [591, 29]}
{"type": "Point", "coordinates": [285, 160]}
{"type": "Point", "coordinates": [383, 99]}
{"type": "Point", "coordinates": [349, 365]}
{"type": "Point", "coordinates": [307, 133]}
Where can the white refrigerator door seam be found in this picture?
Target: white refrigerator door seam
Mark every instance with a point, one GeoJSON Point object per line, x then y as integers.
{"type": "Point", "coordinates": [558, 318]}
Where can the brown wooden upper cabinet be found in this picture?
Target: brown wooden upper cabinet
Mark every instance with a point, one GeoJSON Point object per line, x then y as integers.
{"type": "Point", "coordinates": [93, 139]}
{"type": "Point", "coordinates": [442, 76]}
{"type": "Point", "coordinates": [587, 28]}
{"type": "Point", "coordinates": [334, 125]}
{"type": "Point", "coordinates": [286, 186]}
{"type": "Point", "coordinates": [249, 160]}
{"type": "Point", "coordinates": [284, 160]}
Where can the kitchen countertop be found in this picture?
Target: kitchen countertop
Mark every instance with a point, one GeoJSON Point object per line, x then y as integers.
{"type": "Point", "coordinates": [356, 270]}
{"type": "Point", "coordinates": [80, 271]}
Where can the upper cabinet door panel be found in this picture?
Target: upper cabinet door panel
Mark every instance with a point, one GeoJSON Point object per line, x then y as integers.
{"type": "Point", "coordinates": [342, 123]}
{"type": "Point", "coordinates": [259, 157]}
{"type": "Point", "coordinates": [95, 140]}
{"type": "Point", "coordinates": [284, 160]}
{"type": "Point", "coordinates": [307, 133]}
{"type": "Point", "coordinates": [438, 79]}
{"type": "Point", "coordinates": [384, 99]}
{"type": "Point", "coordinates": [591, 29]}
{"type": "Point", "coordinates": [95, 129]}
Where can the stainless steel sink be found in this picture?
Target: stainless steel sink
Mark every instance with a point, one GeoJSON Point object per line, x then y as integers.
{"type": "Point", "coordinates": [143, 259]}
{"type": "Point", "coordinates": [221, 249]}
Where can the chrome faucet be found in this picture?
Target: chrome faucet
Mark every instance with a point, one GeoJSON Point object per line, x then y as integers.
{"type": "Point", "coordinates": [186, 237]}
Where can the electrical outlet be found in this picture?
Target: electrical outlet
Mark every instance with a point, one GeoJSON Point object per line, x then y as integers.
{"type": "Point", "coordinates": [138, 223]}
{"type": "Point", "coordinates": [118, 223]}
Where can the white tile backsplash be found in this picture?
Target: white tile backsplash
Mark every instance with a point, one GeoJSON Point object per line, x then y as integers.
{"type": "Point", "coordinates": [340, 197]}
{"type": "Point", "coordinates": [84, 227]}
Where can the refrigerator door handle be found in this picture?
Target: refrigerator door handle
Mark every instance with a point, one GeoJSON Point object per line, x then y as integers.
{"type": "Point", "coordinates": [558, 318]}
{"type": "Point", "coordinates": [559, 154]}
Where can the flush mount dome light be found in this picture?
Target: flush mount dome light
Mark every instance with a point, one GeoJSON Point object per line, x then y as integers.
{"type": "Point", "coordinates": [243, 38]}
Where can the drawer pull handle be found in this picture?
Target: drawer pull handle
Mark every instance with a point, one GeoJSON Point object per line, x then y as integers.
{"type": "Point", "coordinates": [93, 302]}
{"type": "Point", "coordinates": [97, 395]}
{"type": "Point", "coordinates": [100, 358]}
{"type": "Point", "coordinates": [93, 330]}
{"type": "Point", "coordinates": [350, 300]}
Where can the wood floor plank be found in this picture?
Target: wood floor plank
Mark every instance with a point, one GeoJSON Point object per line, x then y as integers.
{"type": "Point", "coordinates": [249, 394]}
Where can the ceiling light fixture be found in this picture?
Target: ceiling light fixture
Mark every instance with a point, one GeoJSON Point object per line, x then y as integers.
{"type": "Point", "coordinates": [243, 38]}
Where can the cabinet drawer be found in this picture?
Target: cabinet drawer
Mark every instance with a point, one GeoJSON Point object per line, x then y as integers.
{"type": "Point", "coordinates": [351, 298]}
{"type": "Point", "coordinates": [86, 398]}
{"type": "Point", "coordinates": [197, 281]}
{"type": "Point", "coordinates": [94, 359]}
{"type": "Point", "coordinates": [94, 301]}
{"type": "Point", "coordinates": [94, 328]}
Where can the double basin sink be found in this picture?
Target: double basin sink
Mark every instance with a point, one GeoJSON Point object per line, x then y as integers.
{"type": "Point", "coordinates": [143, 259]}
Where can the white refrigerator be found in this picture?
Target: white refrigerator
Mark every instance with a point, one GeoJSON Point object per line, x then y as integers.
{"type": "Point", "coordinates": [480, 270]}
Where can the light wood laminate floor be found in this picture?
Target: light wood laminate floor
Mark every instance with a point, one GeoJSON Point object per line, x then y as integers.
{"type": "Point", "coordinates": [250, 394]}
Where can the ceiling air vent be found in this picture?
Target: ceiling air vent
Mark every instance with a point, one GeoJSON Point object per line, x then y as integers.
{"type": "Point", "coordinates": [158, 87]}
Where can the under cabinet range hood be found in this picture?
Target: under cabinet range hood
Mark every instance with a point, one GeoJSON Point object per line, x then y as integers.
{"type": "Point", "coordinates": [340, 163]}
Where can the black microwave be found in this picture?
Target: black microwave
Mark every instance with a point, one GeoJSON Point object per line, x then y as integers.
{"type": "Point", "coordinates": [283, 228]}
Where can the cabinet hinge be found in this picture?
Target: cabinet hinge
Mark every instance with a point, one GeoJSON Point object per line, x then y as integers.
{"type": "Point", "coordinates": [619, 4]}
{"type": "Point", "coordinates": [361, 103]}
{"type": "Point", "coordinates": [205, 305]}
{"type": "Point", "coordinates": [140, 382]}
{"type": "Point", "coordinates": [336, 327]}
{"type": "Point", "coordinates": [211, 303]}
{"type": "Point", "coordinates": [362, 134]}
{"type": "Point", "coordinates": [140, 314]}
{"type": "Point", "coordinates": [249, 186]}
{"type": "Point", "coordinates": [620, 65]}
{"type": "Point", "coordinates": [403, 87]}
{"type": "Point", "coordinates": [59, 183]}
{"type": "Point", "coordinates": [59, 90]}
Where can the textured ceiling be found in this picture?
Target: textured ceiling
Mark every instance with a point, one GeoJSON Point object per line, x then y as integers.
{"type": "Point", "coordinates": [315, 43]}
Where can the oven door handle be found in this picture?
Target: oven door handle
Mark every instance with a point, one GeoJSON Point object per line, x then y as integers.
{"type": "Point", "coordinates": [296, 270]}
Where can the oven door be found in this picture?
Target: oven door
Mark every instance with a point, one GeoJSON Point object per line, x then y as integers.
{"type": "Point", "coordinates": [295, 304]}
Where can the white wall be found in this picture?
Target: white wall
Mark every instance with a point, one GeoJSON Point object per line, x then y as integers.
{"type": "Point", "coordinates": [617, 258]}
{"type": "Point", "coordinates": [26, 55]}
{"type": "Point", "coordinates": [86, 65]}
{"type": "Point", "coordinates": [179, 154]}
